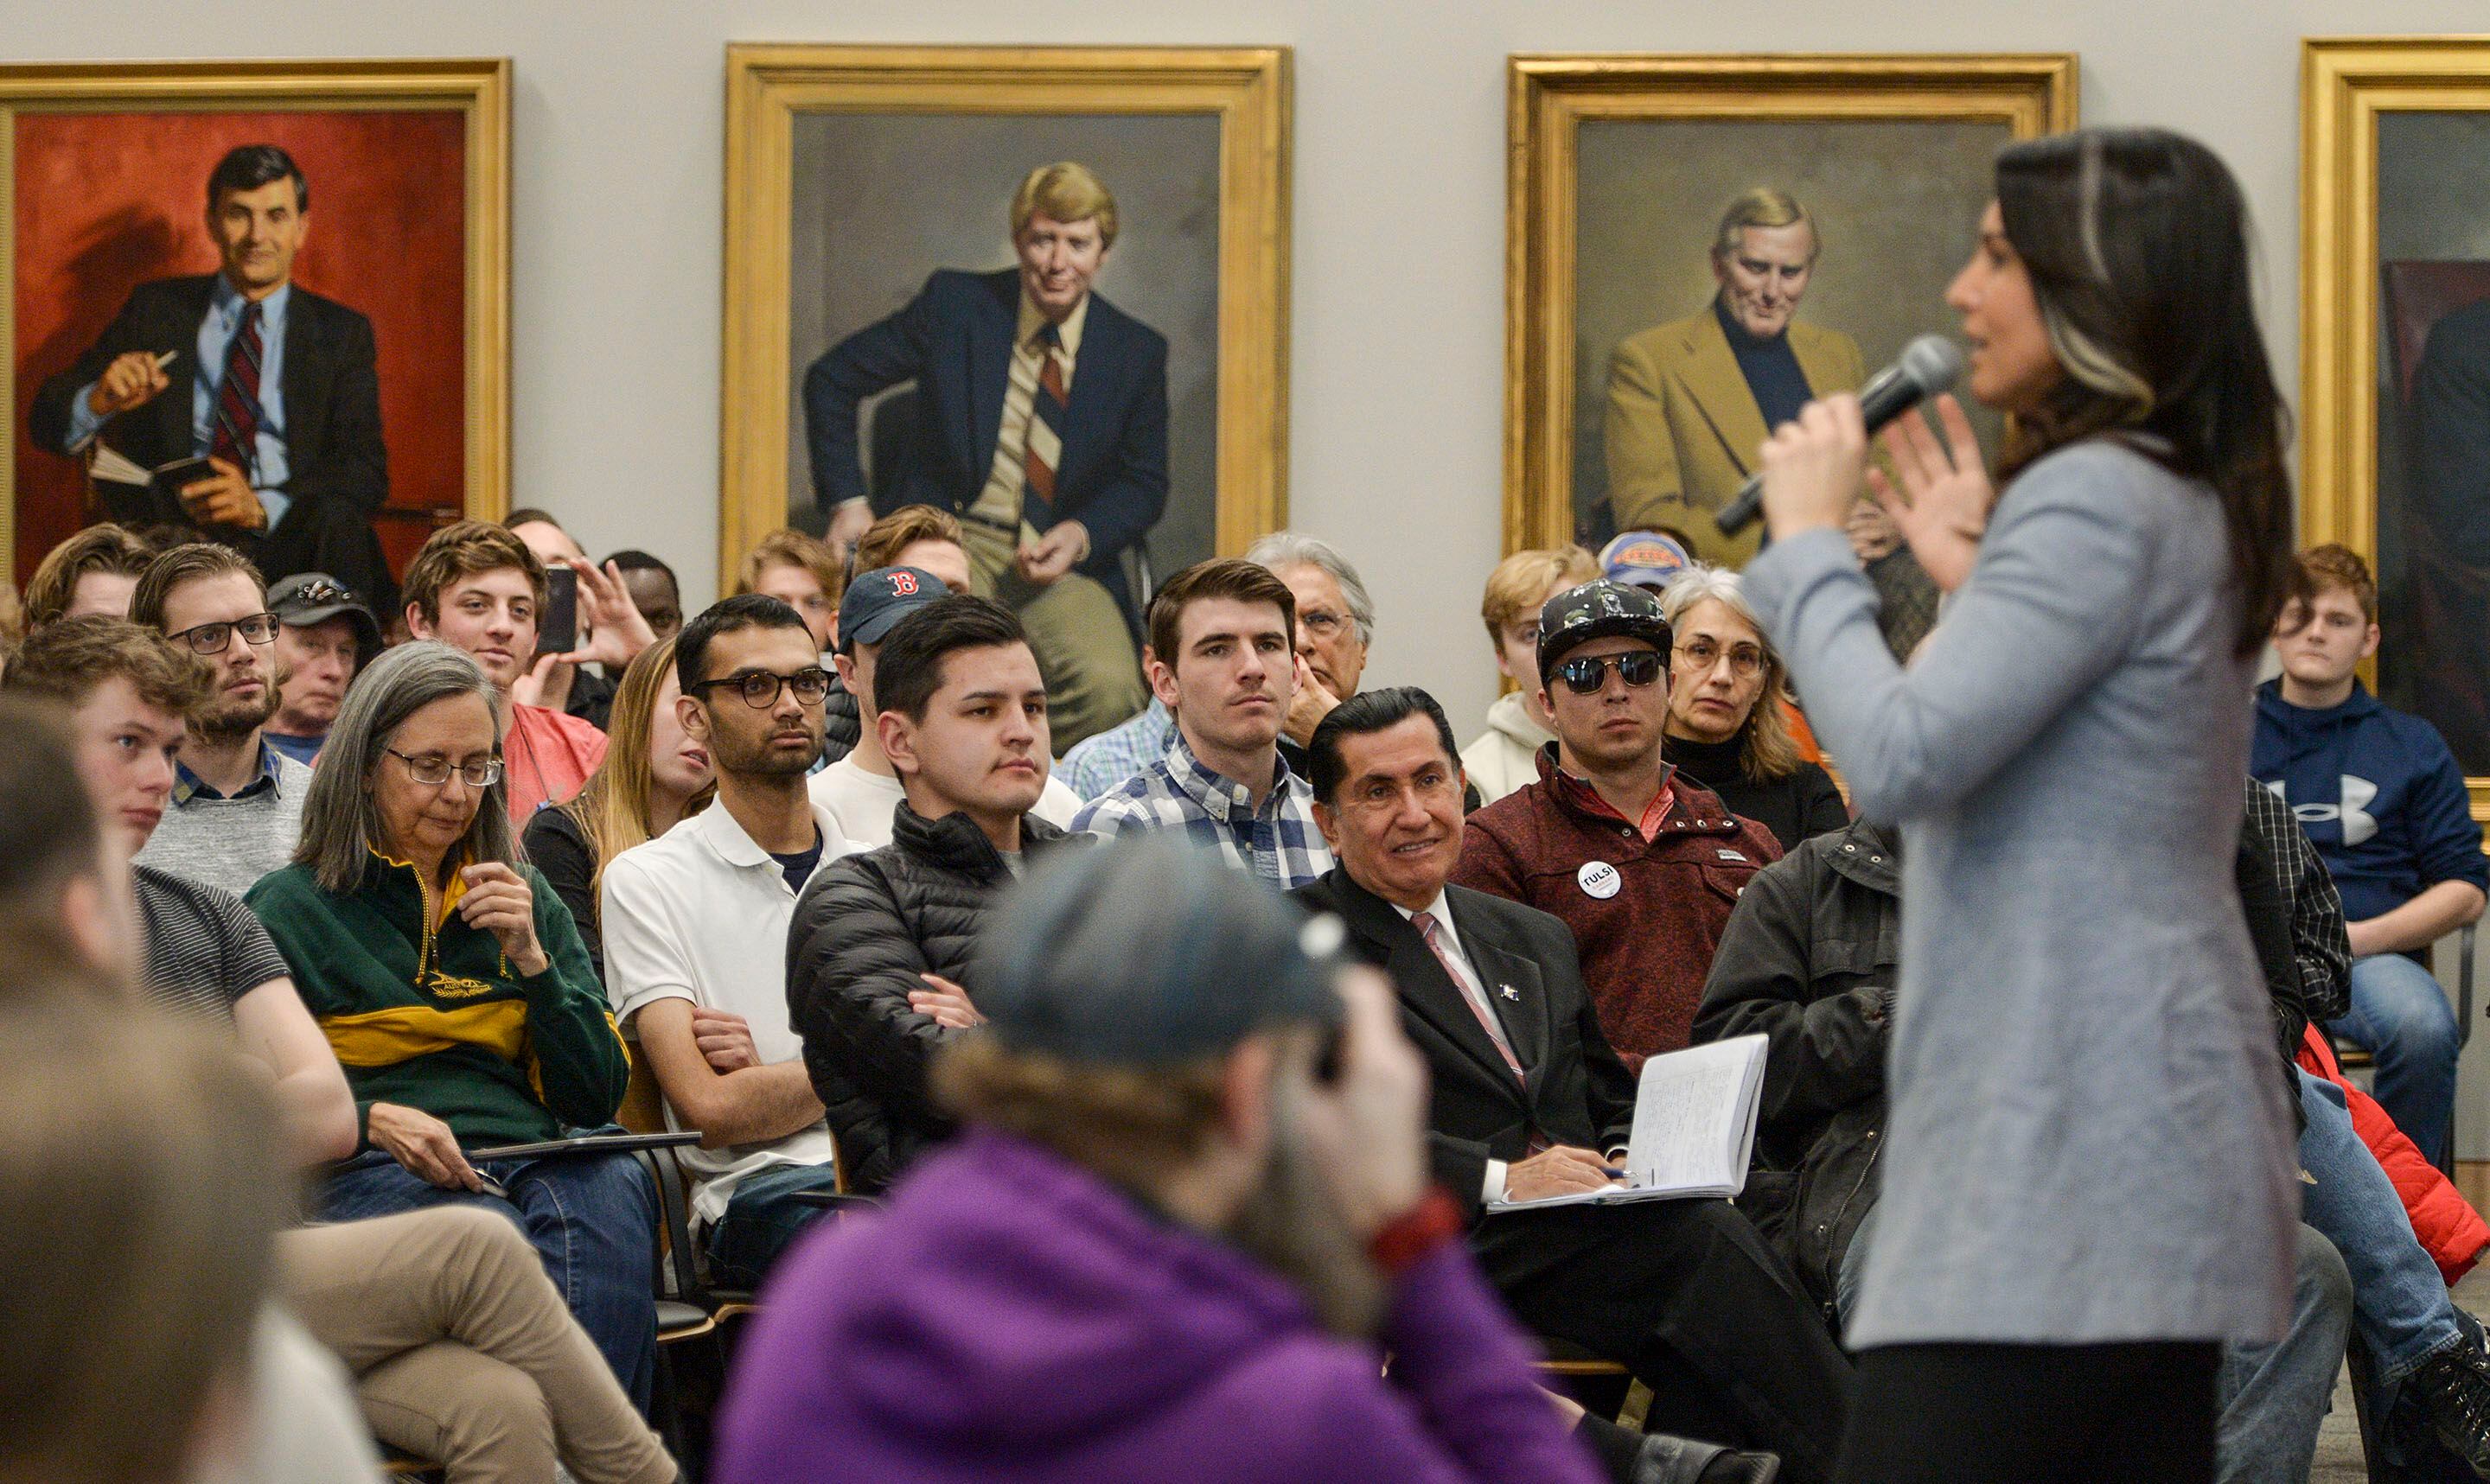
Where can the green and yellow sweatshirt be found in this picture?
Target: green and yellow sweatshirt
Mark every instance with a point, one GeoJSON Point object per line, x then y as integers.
{"type": "Point", "coordinates": [426, 1012]}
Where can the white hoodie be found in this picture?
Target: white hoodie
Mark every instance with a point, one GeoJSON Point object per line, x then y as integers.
{"type": "Point", "coordinates": [1505, 756]}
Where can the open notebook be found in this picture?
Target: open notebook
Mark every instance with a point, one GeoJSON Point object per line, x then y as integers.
{"type": "Point", "coordinates": [1693, 1128]}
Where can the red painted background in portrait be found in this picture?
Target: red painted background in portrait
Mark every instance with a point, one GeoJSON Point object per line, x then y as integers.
{"type": "Point", "coordinates": [106, 201]}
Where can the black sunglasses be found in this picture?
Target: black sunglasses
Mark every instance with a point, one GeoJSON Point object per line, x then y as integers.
{"type": "Point", "coordinates": [1584, 675]}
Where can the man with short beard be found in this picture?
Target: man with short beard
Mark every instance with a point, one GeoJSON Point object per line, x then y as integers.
{"type": "Point", "coordinates": [1190, 1218]}
{"type": "Point", "coordinates": [236, 812]}
{"type": "Point", "coordinates": [879, 952]}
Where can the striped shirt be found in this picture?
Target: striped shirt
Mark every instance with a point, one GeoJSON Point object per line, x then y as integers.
{"type": "Point", "coordinates": [1278, 842]}
{"type": "Point", "coordinates": [205, 950]}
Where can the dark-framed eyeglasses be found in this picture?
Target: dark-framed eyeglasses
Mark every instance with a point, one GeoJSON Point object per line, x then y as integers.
{"type": "Point", "coordinates": [217, 638]}
{"type": "Point", "coordinates": [1746, 661]}
{"type": "Point", "coordinates": [760, 688]}
{"type": "Point", "coordinates": [433, 772]}
{"type": "Point", "coordinates": [1586, 673]}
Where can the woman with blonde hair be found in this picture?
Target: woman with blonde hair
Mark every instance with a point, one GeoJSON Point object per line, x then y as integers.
{"type": "Point", "coordinates": [653, 775]}
{"type": "Point", "coordinates": [1726, 728]}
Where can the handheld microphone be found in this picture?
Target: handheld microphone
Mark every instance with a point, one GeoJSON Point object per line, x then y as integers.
{"type": "Point", "coordinates": [1926, 366]}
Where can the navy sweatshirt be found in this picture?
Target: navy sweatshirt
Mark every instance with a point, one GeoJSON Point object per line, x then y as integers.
{"type": "Point", "coordinates": [2377, 790]}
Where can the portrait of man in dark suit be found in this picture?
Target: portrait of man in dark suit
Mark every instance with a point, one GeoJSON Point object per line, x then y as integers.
{"type": "Point", "coordinates": [1039, 419]}
{"type": "Point", "coordinates": [274, 385]}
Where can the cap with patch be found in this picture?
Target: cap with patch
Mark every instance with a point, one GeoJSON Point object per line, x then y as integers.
{"type": "Point", "coordinates": [1600, 609]}
{"type": "Point", "coordinates": [1149, 951]}
{"type": "Point", "coordinates": [307, 598]}
{"type": "Point", "coordinates": [1645, 558]}
{"type": "Point", "coordinates": [876, 600]}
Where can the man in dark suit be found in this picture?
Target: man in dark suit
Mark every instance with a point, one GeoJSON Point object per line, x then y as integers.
{"type": "Point", "coordinates": [275, 384]}
{"type": "Point", "coordinates": [1529, 1103]}
{"type": "Point", "coordinates": [1040, 419]}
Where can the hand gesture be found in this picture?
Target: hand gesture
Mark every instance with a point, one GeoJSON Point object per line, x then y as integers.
{"type": "Point", "coordinates": [424, 1144]}
{"type": "Point", "coordinates": [546, 683]}
{"type": "Point", "coordinates": [1814, 467]}
{"type": "Point", "coordinates": [848, 525]}
{"type": "Point", "coordinates": [945, 1003]}
{"type": "Point", "coordinates": [1308, 708]}
{"type": "Point", "coordinates": [1943, 505]}
{"type": "Point", "coordinates": [725, 1038]}
{"type": "Point", "coordinates": [1369, 1128]}
{"type": "Point", "coordinates": [498, 902]}
{"type": "Point", "coordinates": [1045, 560]}
{"type": "Point", "coordinates": [1873, 536]}
{"type": "Point", "coordinates": [131, 380]}
{"type": "Point", "coordinates": [1563, 1170]}
{"type": "Point", "coordinates": [224, 498]}
{"type": "Point", "coordinates": [608, 620]}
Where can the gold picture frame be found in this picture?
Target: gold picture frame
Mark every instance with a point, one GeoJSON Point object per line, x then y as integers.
{"type": "Point", "coordinates": [1550, 98]}
{"type": "Point", "coordinates": [2351, 89]}
{"type": "Point", "coordinates": [476, 91]}
{"type": "Point", "coordinates": [1245, 89]}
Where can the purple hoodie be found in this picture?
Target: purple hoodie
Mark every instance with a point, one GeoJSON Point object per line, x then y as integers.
{"type": "Point", "coordinates": [1011, 1316]}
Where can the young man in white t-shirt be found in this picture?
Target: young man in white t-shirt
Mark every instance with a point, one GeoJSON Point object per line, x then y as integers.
{"type": "Point", "coordinates": [862, 790]}
{"type": "Point", "coordinates": [695, 927]}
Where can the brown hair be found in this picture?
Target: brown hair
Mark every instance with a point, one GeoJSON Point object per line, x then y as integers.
{"type": "Point", "coordinates": [1519, 585]}
{"type": "Point", "coordinates": [467, 549]}
{"type": "Point", "coordinates": [885, 539]}
{"type": "Point", "coordinates": [152, 1160]}
{"type": "Point", "coordinates": [188, 562]}
{"type": "Point", "coordinates": [2334, 568]}
{"type": "Point", "coordinates": [1068, 192]}
{"type": "Point", "coordinates": [612, 808]}
{"type": "Point", "coordinates": [104, 548]}
{"type": "Point", "coordinates": [1220, 577]}
{"type": "Point", "coordinates": [1132, 1126]}
{"type": "Point", "coordinates": [65, 662]}
{"type": "Point", "coordinates": [789, 547]}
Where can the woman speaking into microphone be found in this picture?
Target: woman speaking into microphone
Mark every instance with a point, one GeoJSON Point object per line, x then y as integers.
{"type": "Point", "coordinates": [2090, 1185]}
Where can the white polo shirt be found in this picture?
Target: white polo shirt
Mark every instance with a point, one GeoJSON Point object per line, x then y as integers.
{"type": "Point", "coordinates": [701, 914]}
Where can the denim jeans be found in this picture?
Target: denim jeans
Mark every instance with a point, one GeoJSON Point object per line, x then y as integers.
{"type": "Point", "coordinates": [2272, 1398]}
{"type": "Point", "coordinates": [761, 1221]}
{"type": "Point", "coordinates": [2402, 1018]}
{"type": "Point", "coordinates": [593, 1220]}
{"type": "Point", "coordinates": [2399, 1300]}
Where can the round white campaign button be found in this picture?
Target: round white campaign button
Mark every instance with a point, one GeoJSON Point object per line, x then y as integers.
{"type": "Point", "coordinates": [1600, 879]}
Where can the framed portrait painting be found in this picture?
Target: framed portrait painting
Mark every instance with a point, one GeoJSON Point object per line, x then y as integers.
{"type": "Point", "coordinates": [1697, 244]}
{"type": "Point", "coordinates": [2395, 360]}
{"type": "Point", "coordinates": [285, 277]}
{"type": "Point", "coordinates": [922, 243]}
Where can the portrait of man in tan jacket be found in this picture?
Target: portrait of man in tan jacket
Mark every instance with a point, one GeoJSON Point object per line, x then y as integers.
{"type": "Point", "coordinates": [1690, 401]}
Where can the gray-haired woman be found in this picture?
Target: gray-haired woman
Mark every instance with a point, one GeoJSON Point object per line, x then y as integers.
{"type": "Point", "coordinates": [455, 991]}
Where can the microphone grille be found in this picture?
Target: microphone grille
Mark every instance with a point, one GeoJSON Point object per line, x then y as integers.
{"type": "Point", "coordinates": [1932, 362]}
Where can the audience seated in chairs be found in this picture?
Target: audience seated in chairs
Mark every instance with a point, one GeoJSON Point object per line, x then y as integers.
{"type": "Point", "coordinates": [1726, 731]}
{"type": "Point", "coordinates": [236, 810]}
{"type": "Point", "coordinates": [1530, 1102]}
{"type": "Point", "coordinates": [93, 572]}
{"type": "Point", "coordinates": [1191, 1218]}
{"type": "Point", "coordinates": [457, 992]}
{"type": "Point", "coordinates": [653, 775]}
{"type": "Point", "coordinates": [917, 536]}
{"type": "Point", "coordinates": [479, 590]}
{"type": "Point", "coordinates": [324, 634]}
{"type": "Point", "coordinates": [1505, 756]}
{"type": "Point", "coordinates": [1222, 634]}
{"type": "Point", "coordinates": [879, 957]}
{"type": "Point", "coordinates": [1641, 864]}
{"type": "Point", "coordinates": [2386, 804]}
{"type": "Point", "coordinates": [696, 935]}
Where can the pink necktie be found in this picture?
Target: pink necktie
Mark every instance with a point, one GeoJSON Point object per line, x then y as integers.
{"type": "Point", "coordinates": [1425, 923]}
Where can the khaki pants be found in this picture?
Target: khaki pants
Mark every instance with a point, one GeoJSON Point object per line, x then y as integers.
{"type": "Point", "coordinates": [463, 1352]}
{"type": "Point", "coordinates": [1084, 652]}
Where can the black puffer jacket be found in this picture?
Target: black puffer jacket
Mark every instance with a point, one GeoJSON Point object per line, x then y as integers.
{"type": "Point", "coordinates": [865, 930]}
{"type": "Point", "coordinates": [842, 721]}
{"type": "Point", "coordinates": [1810, 958]}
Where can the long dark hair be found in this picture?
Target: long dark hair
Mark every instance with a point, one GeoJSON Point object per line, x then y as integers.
{"type": "Point", "coordinates": [2136, 243]}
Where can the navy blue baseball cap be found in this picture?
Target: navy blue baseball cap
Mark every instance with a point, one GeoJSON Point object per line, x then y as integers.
{"type": "Point", "coordinates": [878, 599]}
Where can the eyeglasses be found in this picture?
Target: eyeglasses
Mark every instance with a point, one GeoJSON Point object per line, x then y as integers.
{"type": "Point", "coordinates": [1746, 661]}
{"type": "Point", "coordinates": [1321, 623]}
{"type": "Point", "coordinates": [215, 638]}
{"type": "Point", "coordinates": [760, 688]}
{"type": "Point", "coordinates": [433, 772]}
{"type": "Point", "coordinates": [1586, 674]}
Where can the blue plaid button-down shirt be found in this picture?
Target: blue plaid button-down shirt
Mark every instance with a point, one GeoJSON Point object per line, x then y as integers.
{"type": "Point", "coordinates": [1278, 843]}
{"type": "Point", "coordinates": [188, 785]}
{"type": "Point", "coordinates": [1097, 764]}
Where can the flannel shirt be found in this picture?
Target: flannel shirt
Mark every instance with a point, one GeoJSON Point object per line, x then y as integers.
{"type": "Point", "coordinates": [1097, 764]}
{"type": "Point", "coordinates": [2319, 939]}
{"type": "Point", "coordinates": [1278, 843]}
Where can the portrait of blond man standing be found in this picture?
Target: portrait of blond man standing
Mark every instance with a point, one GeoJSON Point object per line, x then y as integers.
{"type": "Point", "coordinates": [1690, 402]}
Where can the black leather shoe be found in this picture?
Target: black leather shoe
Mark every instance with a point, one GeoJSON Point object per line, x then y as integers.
{"type": "Point", "coordinates": [1666, 1460]}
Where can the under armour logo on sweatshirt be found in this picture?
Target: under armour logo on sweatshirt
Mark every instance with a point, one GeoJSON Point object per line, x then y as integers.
{"type": "Point", "coordinates": [2359, 825]}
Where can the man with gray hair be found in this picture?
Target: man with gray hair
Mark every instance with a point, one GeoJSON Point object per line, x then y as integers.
{"type": "Point", "coordinates": [1335, 623]}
